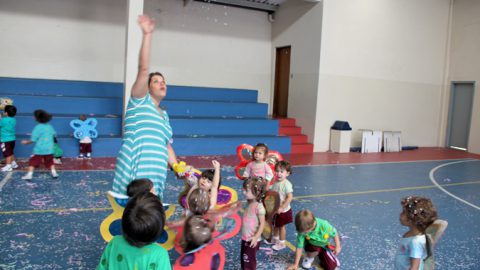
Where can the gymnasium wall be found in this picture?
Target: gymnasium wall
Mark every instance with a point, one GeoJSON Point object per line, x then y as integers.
{"type": "Point", "coordinates": [298, 24]}
{"type": "Point", "coordinates": [201, 44]}
{"type": "Point", "coordinates": [465, 58]}
{"type": "Point", "coordinates": [382, 67]}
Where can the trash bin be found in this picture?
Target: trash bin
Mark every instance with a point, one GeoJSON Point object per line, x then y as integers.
{"type": "Point", "coordinates": [340, 137]}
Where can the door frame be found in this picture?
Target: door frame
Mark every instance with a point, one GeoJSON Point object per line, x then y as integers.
{"type": "Point", "coordinates": [450, 108]}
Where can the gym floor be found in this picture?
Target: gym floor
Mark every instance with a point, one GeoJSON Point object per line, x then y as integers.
{"type": "Point", "coordinates": [54, 224]}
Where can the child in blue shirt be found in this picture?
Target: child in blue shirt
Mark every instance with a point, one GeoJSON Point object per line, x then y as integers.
{"type": "Point", "coordinates": [7, 137]}
{"type": "Point", "coordinates": [415, 247]}
{"type": "Point", "coordinates": [42, 135]}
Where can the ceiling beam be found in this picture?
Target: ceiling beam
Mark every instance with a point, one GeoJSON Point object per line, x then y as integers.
{"type": "Point", "coordinates": [242, 4]}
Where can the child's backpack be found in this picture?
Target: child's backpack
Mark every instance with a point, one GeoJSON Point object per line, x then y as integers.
{"type": "Point", "coordinates": [434, 232]}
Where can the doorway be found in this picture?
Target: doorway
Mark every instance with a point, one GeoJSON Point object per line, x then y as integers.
{"type": "Point", "coordinates": [282, 79]}
{"type": "Point", "coordinates": [460, 115]}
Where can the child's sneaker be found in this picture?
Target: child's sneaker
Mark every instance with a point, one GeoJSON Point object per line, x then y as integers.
{"type": "Point", "coordinates": [307, 262]}
{"type": "Point", "coordinates": [279, 246]}
{"type": "Point", "coordinates": [7, 168]}
{"type": "Point", "coordinates": [57, 161]}
{"type": "Point", "coordinates": [272, 241]}
{"type": "Point", "coordinates": [54, 174]}
{"type": "Point", "coordinates": [81, 156]}
{"type": "Point", "coordinates": [27, 176]}
{"type": "Point", "coordinates": [14, 165]}
{"type": "Point", "coordinates": [89, 156]}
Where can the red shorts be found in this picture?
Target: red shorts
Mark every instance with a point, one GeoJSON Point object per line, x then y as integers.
{"type": "Point", "coordinates": [7, 148]}
{"type": "Point", "coordinates": [85, 148]}
{"type": "Point", "coordinates": [36, 160]}
{"type": "Point", "coordinates": [328, 261]}
{"type": "Point", "coordinates": [282, 219]}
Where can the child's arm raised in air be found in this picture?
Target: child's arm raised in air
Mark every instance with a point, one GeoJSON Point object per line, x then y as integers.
{"type": "Point", "coordinates": [258, 234]}
{"type": "Point", "coordinates": [215, 183]}
{"type": "Point", "coordinates": [298, 256]}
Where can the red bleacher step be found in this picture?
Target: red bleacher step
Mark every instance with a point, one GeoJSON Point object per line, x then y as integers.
{"type": "Point", "coordinates": [285, 122]}
{"type": "Point", "coordinates": [290, 131]}
{"type": "Point", "coordinates": [302, 148]}
{"type": "Point", "coordinates": [299, 139]}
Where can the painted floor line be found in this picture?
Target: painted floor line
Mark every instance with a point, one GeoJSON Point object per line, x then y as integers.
{"type": "Point", "coordinates": [294, 198]}
{"type": "Point", "coordinates": [384, 162]}
{"type": "Point", "coordinates": [383, 190]}
{"type": "Point", "coordinates": [432, 178]}
{"type": "Point", "coordinates": [5, 180]}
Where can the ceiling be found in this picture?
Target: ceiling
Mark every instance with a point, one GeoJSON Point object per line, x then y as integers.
{"type": "Point", "coordinates": [269, 6]}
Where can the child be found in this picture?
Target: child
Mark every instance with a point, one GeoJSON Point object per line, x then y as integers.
{"type": "Point", "coordinates": [209, 182]}
{"type": "Point", "coordinates": [253, 221]}
{"type": "Point", "coordinates": [85, 142]}
{"type": "Point", "coordinates": [42, 134]}
{"type": "Point", "coordinates": [140, 186]}
{"type": "Point", "coordinates": [142, 224]}
{"type": "Point", "coordinates": [258, 166]}
{"type": "Point", "coordinates": [7, 137]}
{"type": "Point", "coordinates": [197, 231]}
{"type": "Point", "coordinates": [284, 214]}
{"type": "Point", "coordinates": [418, 213]}
{"type": "Point", "coordinates": [313, 235]}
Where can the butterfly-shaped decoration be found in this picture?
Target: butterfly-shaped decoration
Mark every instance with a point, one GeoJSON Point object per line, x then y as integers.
{"type": "Point", "coordinates": [112, 225]}
{"type": "Point", "coordinates": [244, 153]}
{"type": "Point", "coordinates": [211, 255]}
{"type": "Point", "coordinates": [4, 101]}
{"type": "Point", "coordinates": [82, 129]}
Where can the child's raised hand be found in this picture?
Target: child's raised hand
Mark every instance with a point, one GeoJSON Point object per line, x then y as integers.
{"type": "Point", "coordinates": [216, 164]}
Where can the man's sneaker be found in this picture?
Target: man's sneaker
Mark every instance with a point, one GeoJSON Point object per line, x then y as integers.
{"type": "Point", "coordinates": [14, 165]}
{"type": "Point", "coordinates": [307, 262]}
{"type": "Point", "coordinates": [279, 246]}
{"type": "Point", "coordinates": [54, 174]}
{"type": "Point", "coordinates": [27, 176]}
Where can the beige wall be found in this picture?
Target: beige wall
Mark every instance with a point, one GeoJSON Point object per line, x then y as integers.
{"type": "Point", "coordinates": [201, 44]}
{"type": "Point", "coordinates": [465, 58]}
{"type": "Point", "coordinates": [382, 67]}
{"type": "Point", "coordinates": [56, 39]}
{"type": "Point", "coordinates": [204, 44]}
{"type": "Point", "coordinates": [298, 24]}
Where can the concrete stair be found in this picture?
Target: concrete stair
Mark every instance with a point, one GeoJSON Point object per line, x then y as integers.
{"type": "Point", "coordinates": [300, 143]}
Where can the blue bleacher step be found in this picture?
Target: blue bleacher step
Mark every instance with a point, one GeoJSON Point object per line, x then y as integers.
{"type": "Point", "coordinates": [223, 126]}
{"type": "Point", "coordinates": [60, 87]}
{"type": "Point", "coordinates": [225, 145]}
{"type": "Point", "coordinates": [63, 104]}
{"type": "Point", "coordinates": [104, 146]}
{"type": "Point", "coordinates": [110, 125]}
{"type": "Point", "coordinates": [176, 92]}
{"type": "Point", "coordinates": [213, 109]}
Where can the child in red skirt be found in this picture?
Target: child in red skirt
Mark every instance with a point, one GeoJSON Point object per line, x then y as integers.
{"type": "Point", "coordinates": [43, 136]}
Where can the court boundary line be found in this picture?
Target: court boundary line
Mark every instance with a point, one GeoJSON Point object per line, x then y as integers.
{"type": "Point", "coordinates": [434, 181]}
{"type": "Point", "coordinates": [5, 179]}
{"type": "Point", "coordinates": [73, 210]}
{"type": "Point", "coordinates": [387, 162]}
